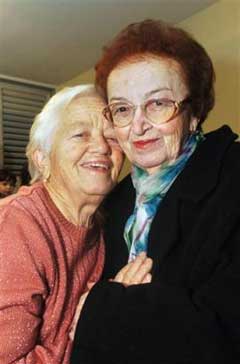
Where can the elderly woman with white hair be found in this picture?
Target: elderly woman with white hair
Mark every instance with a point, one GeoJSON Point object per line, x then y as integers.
{"type": "Point", "coordinates": [51, 249]}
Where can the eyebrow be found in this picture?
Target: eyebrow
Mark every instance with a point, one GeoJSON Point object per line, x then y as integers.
{"type": "Point", "coordinates": [150, 93]}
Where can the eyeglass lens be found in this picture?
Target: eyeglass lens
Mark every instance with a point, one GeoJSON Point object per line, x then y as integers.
{"type": "Point", "coordinates": [156, 112]}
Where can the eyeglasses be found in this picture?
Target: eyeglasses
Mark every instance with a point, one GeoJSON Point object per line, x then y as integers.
{"type": "Point", "coordinates": [157, 111]}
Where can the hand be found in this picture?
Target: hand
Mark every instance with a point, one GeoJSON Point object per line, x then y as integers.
{"type": "Point", "coordinates": [135, 272]}
{"type": "Point", "coordinates": [79, 310]}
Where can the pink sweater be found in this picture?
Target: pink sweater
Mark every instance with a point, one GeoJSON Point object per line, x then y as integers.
{"type": "Point", "coordinates": [43, 272]}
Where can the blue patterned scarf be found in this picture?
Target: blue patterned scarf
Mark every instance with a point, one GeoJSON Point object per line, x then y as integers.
{"type": "Point", "coordinates": [150, 191]}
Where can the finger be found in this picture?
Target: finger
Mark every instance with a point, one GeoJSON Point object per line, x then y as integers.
{"type": "Point", "coordinates": [90, 285]}
{"type": "Point", "coordinates": [83, 297]}
{"type": "Point", "coordinates": [141, 273]}
{"type": "Point", "coordinates": [77, 314]}
{"type": "Point", "coordinates": [147, 278]}
{"type": "Point", "coordinates": [129, 271]}
{"type": "Point", "coordinates": [80, 305]}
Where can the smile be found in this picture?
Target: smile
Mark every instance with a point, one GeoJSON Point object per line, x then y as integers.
{"type": "Point", "coordinates": [99, 165]}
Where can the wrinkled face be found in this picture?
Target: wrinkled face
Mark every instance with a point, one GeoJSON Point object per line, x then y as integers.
{"type": "Point", "coordinates": [86, 158]}
{"type": "Point", "coordinates": [137, 82]}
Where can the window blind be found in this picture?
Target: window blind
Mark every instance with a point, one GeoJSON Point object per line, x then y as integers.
{"type": "Point", "coordinates": [19, 104]}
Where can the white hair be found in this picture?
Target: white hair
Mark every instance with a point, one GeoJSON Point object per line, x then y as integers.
{"type": "Point", "coordinates": [46, 122]}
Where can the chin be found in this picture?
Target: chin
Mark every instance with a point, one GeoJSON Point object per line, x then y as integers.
{"type": "Point", "coordinates": [151, 159]}
{"type": "Point", "coordinates": [99, 190]}
{"type": "Point", "coordinates": [150, 164]}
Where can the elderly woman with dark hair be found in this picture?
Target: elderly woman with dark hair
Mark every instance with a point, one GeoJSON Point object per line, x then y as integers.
{"type": "Point", "coordinates": [180, 205]}
{"type": "Point", "coordinates": [51, 246]}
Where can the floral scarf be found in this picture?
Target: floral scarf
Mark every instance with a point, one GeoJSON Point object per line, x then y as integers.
{"type": "Point", "coordinates": [150, 191]}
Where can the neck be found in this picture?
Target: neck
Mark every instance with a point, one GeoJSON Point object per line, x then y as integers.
{"type": "Point", "coordinates": [78, 209]}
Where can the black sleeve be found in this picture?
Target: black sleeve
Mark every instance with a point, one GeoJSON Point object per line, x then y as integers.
{"type": "Point", "coordinates": [141, 323]}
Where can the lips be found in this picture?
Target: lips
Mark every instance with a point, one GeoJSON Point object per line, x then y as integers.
{"type": "Point", "coordinates": [142, 144]}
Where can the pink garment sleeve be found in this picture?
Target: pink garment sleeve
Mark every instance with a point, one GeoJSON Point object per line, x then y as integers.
{"type": "Point", "coordinates": [23, 290]}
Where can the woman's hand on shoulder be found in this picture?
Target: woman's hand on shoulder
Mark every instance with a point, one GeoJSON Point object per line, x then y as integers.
{"type": "Point", "coordinates": [135, 272]}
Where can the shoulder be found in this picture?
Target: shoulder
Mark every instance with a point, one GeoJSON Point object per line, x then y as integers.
{"type": "Point", "coordinates": [22, 206]}
{"type": "Point", "coordinates": [220, 150]}
{"type": "Point", "coordinates": [223, 160]}
{"type": "Point", "coordinates": [230, 169]}
{"type": "Point", "coordinates": [23, 228]}
{"type": "Point", "coordinates": [232, 156]}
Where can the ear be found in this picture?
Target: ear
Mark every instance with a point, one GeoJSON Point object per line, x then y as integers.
{"type": "Point", "coordinates": [193, 124]}
{"type": "Point", "coordinates": [42, 163]}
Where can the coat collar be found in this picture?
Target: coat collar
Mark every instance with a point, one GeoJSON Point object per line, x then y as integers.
{"type": "Point", "coordinates": [202, 170]}
{"type": "Point", "coordinates": [198, 178]}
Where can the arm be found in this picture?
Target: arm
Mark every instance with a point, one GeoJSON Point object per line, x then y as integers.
{"type": "Point", "coordinates": [174, 324]}
{"type": "Point", "coordinates": [136, 272]}
{"type": "Point", "coordinates": [23, 291]}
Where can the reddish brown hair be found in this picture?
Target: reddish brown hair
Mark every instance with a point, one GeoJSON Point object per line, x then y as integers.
{"type": "Point", "coordinates": [161, 39]}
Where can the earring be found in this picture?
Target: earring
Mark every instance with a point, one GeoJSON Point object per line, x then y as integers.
{"type": "Point", "coordinates": [193, 126]}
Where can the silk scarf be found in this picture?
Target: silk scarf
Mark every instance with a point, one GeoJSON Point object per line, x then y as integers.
{"type": "Point", "coordinates": [150, 191]}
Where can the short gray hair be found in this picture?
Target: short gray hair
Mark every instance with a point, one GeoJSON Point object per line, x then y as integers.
{"type": "Point", "coordinates": [46, 122]}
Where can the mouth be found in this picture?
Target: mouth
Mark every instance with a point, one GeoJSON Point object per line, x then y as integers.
{"type": "Point", "coordinates": [143, 144]}
{"type": "Point", "coordinates": [97, 166]}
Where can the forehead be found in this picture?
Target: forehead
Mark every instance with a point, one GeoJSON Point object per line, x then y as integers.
{"type": "Point", "coordinates": [85, 104]}
{"type": "Point", "coordinates": [84, 111]}
{"type": "Point", "coordinates": [146, 73]}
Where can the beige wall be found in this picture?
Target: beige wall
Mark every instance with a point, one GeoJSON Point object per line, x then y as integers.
{"type": "Point", "coordinates": [83, 78]}
{"type": "Point", "coordinates": [217, 28]}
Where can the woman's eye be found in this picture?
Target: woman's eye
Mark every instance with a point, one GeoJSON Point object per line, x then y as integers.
{"type": "Point", "coordinates": [121, 109]}
{"type": "Point", "coordinates": [159, 104]}
{"type": "Point", "coordinates": [80, 135]}
{"type": "Point", "coordinates": [163, 102]}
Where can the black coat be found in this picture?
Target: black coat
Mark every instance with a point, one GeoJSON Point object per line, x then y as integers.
{"type": "Point", "coordinates": [190, 313]}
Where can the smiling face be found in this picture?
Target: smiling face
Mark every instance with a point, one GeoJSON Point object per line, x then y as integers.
{"type": "Point", "coordinates": [137, 82]}
{"type": "Point", "coordinates": [85, 158]}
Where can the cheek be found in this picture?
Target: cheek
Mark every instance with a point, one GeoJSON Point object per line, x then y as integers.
{"type": "Point", "coordinates": [74, 153]}
{"type": "Point", "coordinates": [122, 135]}
{"type": "Point", "coordinates": [172, 144]}
{"type": "Point", "coordinates": [117, 158]}
{"type": "Point", "coordinates": [173, 136]}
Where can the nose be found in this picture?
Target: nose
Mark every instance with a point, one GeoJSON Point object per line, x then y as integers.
{"type": "Point", "coordinates": [101, 146]}
{"type": "Point", "coordinates": [140, 123]}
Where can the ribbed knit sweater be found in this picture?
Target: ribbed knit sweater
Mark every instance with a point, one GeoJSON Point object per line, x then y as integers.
{"type": "Point", "coordinates": [43, 272]}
